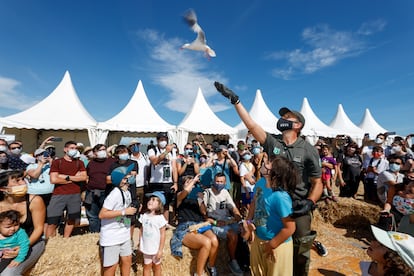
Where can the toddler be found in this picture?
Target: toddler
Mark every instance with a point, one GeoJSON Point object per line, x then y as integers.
{"type": "Point", "coordinates": [11, 235]}
{"type": "Point", "coordinates": [404, 200]}
{"type": "Point", "coordinates": [152, 234]}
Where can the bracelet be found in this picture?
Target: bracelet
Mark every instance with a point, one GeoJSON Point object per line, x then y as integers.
{"type": "Point", "coordinates": [123, 212]}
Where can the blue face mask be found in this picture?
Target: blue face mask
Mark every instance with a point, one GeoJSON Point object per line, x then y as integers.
{"type": "Point", "coordinates": [247, 157]}
{"type": "Point", "coordinates": [256, 151]}
{"type": "Point", "coordinates": [131, 180]}
{"type": "Point", "coordinates": [135, 148]}
{"type": "Point", "coordinates": [218, 186]}
{"type": "Point", "coordinates": [188, 152]}
{"type": "Point", "coordinates": [394, 167]}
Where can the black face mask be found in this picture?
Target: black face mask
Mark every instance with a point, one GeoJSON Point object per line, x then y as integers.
{"type": "Point", "coordinates": [283, 124]}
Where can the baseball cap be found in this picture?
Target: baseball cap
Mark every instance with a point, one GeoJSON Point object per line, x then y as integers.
{"type": "Point", "coordinates": [133, 142]}
{"type": "Point", "coordinates": [158, 194]}
{"type": "Point", "coordinates": [38, 152]}
{"type": "Point", "coordinates": [162, 135]}
{"type": "Point", "coordinates": [297, 114]}
{"type": "Point", "coordinates": [119, 173]}
{"type": "Point", "coordinates": [401, 243]}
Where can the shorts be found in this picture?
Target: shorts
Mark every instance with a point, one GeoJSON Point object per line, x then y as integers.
{"type": "Point", "coordinates": [221, 231]}
{"type": "Point", "coordinates": [58, 203]}
{"type": "Point", "coordinates": [151, 259]}
{"type": "Point", "coordinates": [111, 254]}
{"type": "Point", "coordinates": [246, 200]}
{"type": "Point", "coordinates": [326, 176]}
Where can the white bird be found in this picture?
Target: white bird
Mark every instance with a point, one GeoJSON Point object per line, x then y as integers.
{"type": "Point", "coordinates": [199, 44]}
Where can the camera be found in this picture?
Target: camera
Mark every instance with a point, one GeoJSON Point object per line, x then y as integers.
{"type": "Point", "coordinates": [46, 154]}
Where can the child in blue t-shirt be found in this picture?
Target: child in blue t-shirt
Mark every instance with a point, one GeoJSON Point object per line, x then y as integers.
{"type": "Point", "coordinates": [11, 235]}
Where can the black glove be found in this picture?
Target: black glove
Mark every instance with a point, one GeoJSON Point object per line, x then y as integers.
{"type": "Point", "coordinates": [234, 99]}
{"type": "Point", "coordinates": [302, 207]}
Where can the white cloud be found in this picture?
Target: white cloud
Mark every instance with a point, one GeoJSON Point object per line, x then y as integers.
{"type": "Point", "coordinates": [181, 72]}
{"type": "Point", "coordinates": [324, 47]}
{"type": "Point", "coordinates": [10, 97]}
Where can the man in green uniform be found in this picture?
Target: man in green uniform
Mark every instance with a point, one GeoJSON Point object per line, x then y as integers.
{"type": "Point", "coordinates": [306, 159]}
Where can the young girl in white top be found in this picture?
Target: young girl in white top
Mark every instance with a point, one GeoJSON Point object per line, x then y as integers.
{"type": "Point", "coordinates": [115, 238]}
{"type": "Point", "coordinates": [152, 234]}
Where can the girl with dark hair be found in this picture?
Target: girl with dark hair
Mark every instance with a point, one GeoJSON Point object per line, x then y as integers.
{"type": "Point", "coordinates": [271, 251]}
{"type": "Point", "coordinates": [350, 164]}
{"type": "Point", "coordinates": [14, 196]}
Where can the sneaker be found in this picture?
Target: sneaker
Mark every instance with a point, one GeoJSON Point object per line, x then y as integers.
{"type": "Point", "coordinates": [320, 248]}
{"type": "Point", "coordinates": [235, 268]}
{"type": "Point", "coordinates": [212, 271]}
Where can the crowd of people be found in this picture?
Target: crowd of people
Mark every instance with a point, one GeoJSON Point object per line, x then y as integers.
{"type": "Point", "coordinates": [261, 190]}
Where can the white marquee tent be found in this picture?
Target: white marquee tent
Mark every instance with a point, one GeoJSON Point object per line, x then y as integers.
{"type": "Point", "coordinates": [137, 116]}
{"type": "Point", "coordinates": [369, 125]}
{"type": "Point", "coordinates": [342, 122]}
{"type": "Point", "coordinates": [58, 113]}
{"type": "Point", "coordinates": [314, 127]}
{"type": "Point", "coordinates": [261, 114]}
{"type": "Point", "coordinates": [201, 118]}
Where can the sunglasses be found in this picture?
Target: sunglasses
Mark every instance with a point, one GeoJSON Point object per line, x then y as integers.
{"type": "Point", "coordinates": [15, 148]}
{"type": "Point", "coordinates": [398, 163]}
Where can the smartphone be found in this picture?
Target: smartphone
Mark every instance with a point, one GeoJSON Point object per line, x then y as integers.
{"type": "Point", "coordinates": [57, 139]}
{"type": "Point", "coordinates": [46, 154]}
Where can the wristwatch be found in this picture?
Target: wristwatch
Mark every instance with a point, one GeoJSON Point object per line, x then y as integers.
{"type": "Point", "coordinates": [67, 178]}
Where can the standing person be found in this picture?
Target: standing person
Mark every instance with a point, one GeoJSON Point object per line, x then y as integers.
{"type": "Point", "coordinates": [143, 163]}
{"type": "Point", "coordinates": [328, 164]}
{"type": "Point", "coordinates": [271, 252]}
{"type": "Point", "coordinates": [164, 176]}
{"type": "Point", "coordinates": [224, 163]}
{"type": "Point", "coordinates": [350, 164]}
{"type": "Point", "coordinates": [372, 168]}
{"type": "Point", "coordinates": [15, 152]}
{"type": "Point", "coordinates": [306, 159]}
{"type": "Point", "coordinates": [115, 237]}
{"type": "Point", "coordinates": [97, 188]}
{"type": "Point", "coordinates": [11, 235]}
{"type": "Point", "coordinates": [14, 196]}
{"type": "Point", "coordinates": [65, 173]}
{"type": "Point", "coordinates": [39, 177]}
{"type": "Point", "coordinates": [247, 179]}
{"type": "Point", "coordinates": [223, 214]}
{"type": "Point", "coordinates": [152, 234]}
{"type": "Point", "coordinates": [188, 165]}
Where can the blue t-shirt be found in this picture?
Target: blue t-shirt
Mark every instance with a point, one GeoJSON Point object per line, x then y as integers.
{"type": "Point", "coordinates": [271, 207]}
{"type": "Point", "coordinates": [41, 185]}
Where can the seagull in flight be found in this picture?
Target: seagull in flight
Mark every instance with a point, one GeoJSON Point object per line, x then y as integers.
{"type": "Point", "coordinates": [199, 44]}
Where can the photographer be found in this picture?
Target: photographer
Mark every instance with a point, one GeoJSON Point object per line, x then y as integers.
{"type": "Point", "coordinates": [188, 165]}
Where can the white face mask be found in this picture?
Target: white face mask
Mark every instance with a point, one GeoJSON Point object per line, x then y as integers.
{"type": "Point", "coordinates": [379, 141]}
{"type": "Point", "coordinates": [3, 148]}
{"type": "Point", "coordinates": [101, 154]}
{"type": "Point", "coordinates": [16, 151]}
{"type": "Point", "coordinates": [396, 149]}
{"type": "Point", "coordinates": [72, 153]}
{"type": "Point", "coordinates": [162, 144]}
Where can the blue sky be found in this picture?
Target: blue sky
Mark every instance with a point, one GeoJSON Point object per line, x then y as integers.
{"type": "Point", "coordinates": [355, 53]}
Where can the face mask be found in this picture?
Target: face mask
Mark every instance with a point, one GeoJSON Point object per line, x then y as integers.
{"type": "Point", "coordinates": [283, 124]}
{"type": "Point", "coordinates": [135, 148]}
{"type": "Point", "coordinates": [395, 167]}
{"type": "Point", "coordinates": [16, 151]}
{"type": "Point", "coordinates": [376, 155]}
{"type": "Point", "coordinates": [162, 144]}
{"type": "Point", "coordinates": [72, 153]}
{"type": "Point", "coordinates": [188, 152]}
{"type": "Point", "coordinates": [218, 187]}
{"type": "Point", "coordinates": [3, 160]}
{"type": "Point", "coordinates": [131, 180]}
{"type": "Point", "coordinates": [3, 148]}
{"type": "Point", "coordinates": [240, 147]}
{"type": "Point", "coordinates": [123, 156]}
{"type": "Point", "coordinates": [256, 151]}
{"type": "Point", "coordinates": [247, 157]}
{"type": "Point", "coordinates": [101, 154]}
{"type": "Point", "coordinates": [18, 191]}
{"type": "Point", "coordinates": [396, 149]}
{"type": "Point", "coordinates": [230, 149]}
{"type": "Point", "coordinates": [379, 141]}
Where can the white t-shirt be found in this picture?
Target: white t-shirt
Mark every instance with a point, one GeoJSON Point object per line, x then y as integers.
{"type": "Point", "coordinates": [159, 173]}
{"type": "Point", "coordinates": [143, 161]}
{"type": "Point", "coordinates": [151, 236]}
{"type": "Point", "coordinates": [218, 205]}
{"type": "Point", "coordinates": [244, 169]}
{"type": "Point", "coordinates": [382, 183]}
{"type": "Point", "coordinates": [115, 230]}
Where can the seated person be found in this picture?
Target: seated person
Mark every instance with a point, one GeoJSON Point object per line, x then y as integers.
{"type": "Point", "coordinates": [11, 235]}
{"type": "Point", "coordinates": [404, 200]}
{"type": "Point", "coordinates": [220, 206]}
